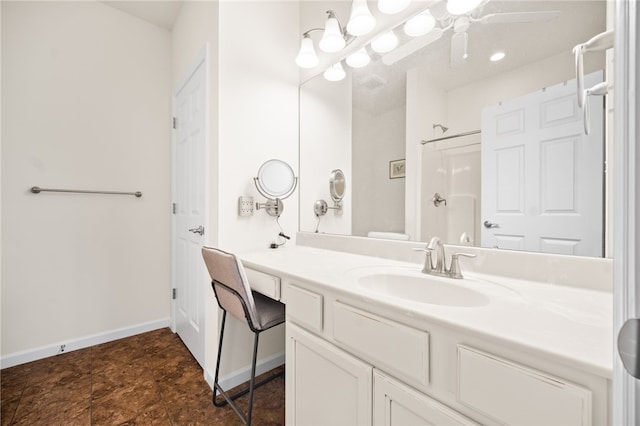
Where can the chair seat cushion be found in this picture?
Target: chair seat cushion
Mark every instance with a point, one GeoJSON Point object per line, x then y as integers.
{"type": "Point", "coordinates": [270, 311]}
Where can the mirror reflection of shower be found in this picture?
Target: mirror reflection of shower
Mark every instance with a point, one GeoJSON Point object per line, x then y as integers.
{"type": "Point", "coordinates": [443, 128]}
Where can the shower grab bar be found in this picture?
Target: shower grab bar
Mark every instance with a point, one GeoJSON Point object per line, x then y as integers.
{"type": "Point", "coordinates": [459, 135]}
{"type": "Point", "coordinates": [37, 190]}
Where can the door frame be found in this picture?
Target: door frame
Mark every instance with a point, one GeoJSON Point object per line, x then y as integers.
{"type": "Point", "coordinates": [626, 259]}
{"type": "Point", "coordinates": [202, 58]}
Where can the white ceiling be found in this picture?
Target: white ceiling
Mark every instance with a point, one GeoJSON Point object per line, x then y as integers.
{"type": "Point", "coordinates": [579, 20]}
{"type": "Point", "coordinates": [158, 12]}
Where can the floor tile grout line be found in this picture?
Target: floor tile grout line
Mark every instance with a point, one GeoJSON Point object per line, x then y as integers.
{"type": "Point", "coordinates": [91, 388]}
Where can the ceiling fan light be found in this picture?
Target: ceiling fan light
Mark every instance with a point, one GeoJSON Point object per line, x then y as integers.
{"type": "Point", "coordinates": [332, 40]}
{"type": "Point", "coordinates": [359, 58]}
{"type": "Point", "coordinates": [420, 24]}
{"type": "Point", "coordinates": [498, 56]}
{"type": "Point", "coordinates": [335, 72]}
{"type": "Point", "coordinates": [385, 43]}
{"type": "Point", "coordinates": [390, 7]}
{"type": "Point", "coordinates": [361, 21]}
{"type": "Point", "coordinates": [462, 7]}
{"type": "Point", "coordinates": [307, 57]}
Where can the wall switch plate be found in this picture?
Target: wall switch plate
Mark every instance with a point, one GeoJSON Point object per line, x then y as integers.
{"type": "Point", "coordinates": [245, 206]}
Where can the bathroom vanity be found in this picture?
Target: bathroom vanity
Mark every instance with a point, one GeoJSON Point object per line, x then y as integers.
{"type": "Point", "coordinates": [372, 340]}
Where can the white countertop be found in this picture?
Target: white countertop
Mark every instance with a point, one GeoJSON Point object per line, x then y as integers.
{"type": "Point", "coordinates": [566, 324]}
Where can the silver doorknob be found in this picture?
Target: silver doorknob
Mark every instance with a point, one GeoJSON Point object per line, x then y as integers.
{"type": "Point", "coordinates": [488, 224]}
{"type": "Point", "coordinates": [198, 230]}
{"type": "Point", "coordinates": [629, 346]}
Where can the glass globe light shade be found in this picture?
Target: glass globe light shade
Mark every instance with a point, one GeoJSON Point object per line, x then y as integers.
{"type": "Point", "coordinates": [335, 72]}
{"type": "Point", "coordinates": [361, 21]}
{"type": "Point", "coordinates": [420, 24]}
{"type": "Point", "coordinates": [332, 40]}
{"type": "Point", "coordinates": [307, 57]}
{"type": "Point", "coordinates": [385, 43]}
{"type": "Point", "coordinates": [358, 59]}
{"type": "Point", "coordinates": [390, 7]}
{"type": "Point", "coordinates": [462, 7]}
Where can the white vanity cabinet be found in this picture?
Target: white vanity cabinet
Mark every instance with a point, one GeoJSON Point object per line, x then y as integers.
{"type": "Point", "coordinates": [324, 385]}
{"type": "Point", "coordinates": [267, 284]}
{"type": "Point", "coordinates": [396, 404]}
{"type": "Point", "coordinates": [351, 361]}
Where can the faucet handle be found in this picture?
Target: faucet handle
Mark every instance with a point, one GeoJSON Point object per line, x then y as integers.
{"type": "Point", "coordinates": [428, 265]}
{"type": "Point", "coordinates": [454, 271]}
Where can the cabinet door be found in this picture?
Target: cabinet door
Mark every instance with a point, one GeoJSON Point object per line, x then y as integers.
{"type": "Point", "coordinates": [324, 385]}
{"type": "Point", "coordinates": [395, 404]}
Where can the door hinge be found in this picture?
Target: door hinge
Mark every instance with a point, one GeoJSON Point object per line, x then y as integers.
{"type": "Point", "coordinates": [173, 123]}
{"type": "Point", "coordinates": [174, 293]}
{"type": "Point", "coordinates": [174, 208]}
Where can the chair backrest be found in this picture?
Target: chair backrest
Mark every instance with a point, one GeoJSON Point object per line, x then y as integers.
{"type": "Point", "coordinates": [231, 285]}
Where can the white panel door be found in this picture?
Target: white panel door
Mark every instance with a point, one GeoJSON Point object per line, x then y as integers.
{"type": "Point", "coordinates": [324, 385]}
{"type": "Point", "coordinates": [190, 281]}
{"type": "Point", "coordinates": [542, 177]}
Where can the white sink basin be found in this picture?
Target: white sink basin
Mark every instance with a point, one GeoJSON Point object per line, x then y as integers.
{"type": "Point", "coordinates": [422, 289]}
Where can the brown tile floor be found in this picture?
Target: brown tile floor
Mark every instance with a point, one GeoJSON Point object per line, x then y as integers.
{"type": "Point", "coordinates": [148, 379]}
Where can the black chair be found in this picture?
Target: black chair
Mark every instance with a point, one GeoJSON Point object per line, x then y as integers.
{"type": "Point", "coordinates": [260, 312]}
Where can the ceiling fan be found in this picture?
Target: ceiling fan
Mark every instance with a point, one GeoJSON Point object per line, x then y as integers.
{"type": "Point", "coordinates": [460, 24]}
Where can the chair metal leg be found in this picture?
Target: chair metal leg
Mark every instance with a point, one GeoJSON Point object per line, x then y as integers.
{"type": "Point", "coordinates": [228, 399]}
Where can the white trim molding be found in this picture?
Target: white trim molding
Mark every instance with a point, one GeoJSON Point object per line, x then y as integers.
{"type": "Point", "coordinates": [23, 357]}
{"type": "Point", "coordinates": [242, 375]}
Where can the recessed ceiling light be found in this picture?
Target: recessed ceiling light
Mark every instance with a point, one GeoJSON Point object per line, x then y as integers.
{"type": "Point", "coordinates": [498, 56]}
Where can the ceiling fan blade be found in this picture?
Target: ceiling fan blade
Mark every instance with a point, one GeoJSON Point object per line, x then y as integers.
{"type": "Point", "coordinates": [411, 46]}
{"type": "Point", "coordinates": [458, 49]}
{"type": "Point", "coordinates": [519, 17]}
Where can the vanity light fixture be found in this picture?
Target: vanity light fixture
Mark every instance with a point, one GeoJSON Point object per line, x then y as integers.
{"type": "Point", "coordinates": [462, 7]}
{"type": "Point", "coordinates": [361, 21]}
{"type": "Point", "coordinates": [307, 57]}
{"type": "Point", "coordinates": [390, 7]}
{"type": "Point", "coordinates": [420, 24]}
{"type": "Point", "coordinates": [335, 72]}
{"type": "Point", "coordinates": [498, 56]}
{"type": "Point", "coordinates": [385, 43]}
{"type": "Point", "coordinates": [333, 37]}
{"type": "Point", "coordinates": [360, 58]}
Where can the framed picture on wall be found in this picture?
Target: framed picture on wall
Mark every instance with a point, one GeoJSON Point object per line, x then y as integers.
{"type": "Point", "coordinates": [396, 169]}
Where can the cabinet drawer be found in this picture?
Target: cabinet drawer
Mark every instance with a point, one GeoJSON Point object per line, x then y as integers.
{"type": "Point", "coordinates": [514, 394]}
{"type": "Point", "coordinates": [304, 307]}
{"type": "Point", "coordinates": [393, 347]}
{"type": "Point", "coordinates": [266, 284]}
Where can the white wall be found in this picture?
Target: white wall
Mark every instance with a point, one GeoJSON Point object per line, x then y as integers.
{"type": "Point", "coordinates": [325, 135]}
{"type": "Point", "coordinates": [426, 105]}
{"type": "Point", "coordinates": [86, 105]}
{"type": "Point", "coordinates": [258, 111]}
{"type": "Point", "coordinates": [254, 109]}
{"type": "Point", "coordinates": [378, 201]}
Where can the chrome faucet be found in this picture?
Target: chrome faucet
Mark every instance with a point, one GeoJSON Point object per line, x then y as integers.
{"type": "Point", "coordinates": [440, 269]}
{"type": "Point", "coordinates": [436, 245]}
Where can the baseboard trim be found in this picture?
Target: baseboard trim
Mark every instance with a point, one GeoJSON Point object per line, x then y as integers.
{"type": "Point", "coordinates": [23, 357]}
{"type": "Point", "coordinates": [237, 377]}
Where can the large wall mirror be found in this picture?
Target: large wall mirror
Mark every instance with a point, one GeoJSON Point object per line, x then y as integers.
{"type": "Point", "coordinates": [437, 139]}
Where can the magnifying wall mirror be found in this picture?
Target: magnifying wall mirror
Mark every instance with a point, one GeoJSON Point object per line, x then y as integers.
{"type": "Point", "coordinates": [337, 185]}
{"type": "Point", "coordinates": [275, 180]}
